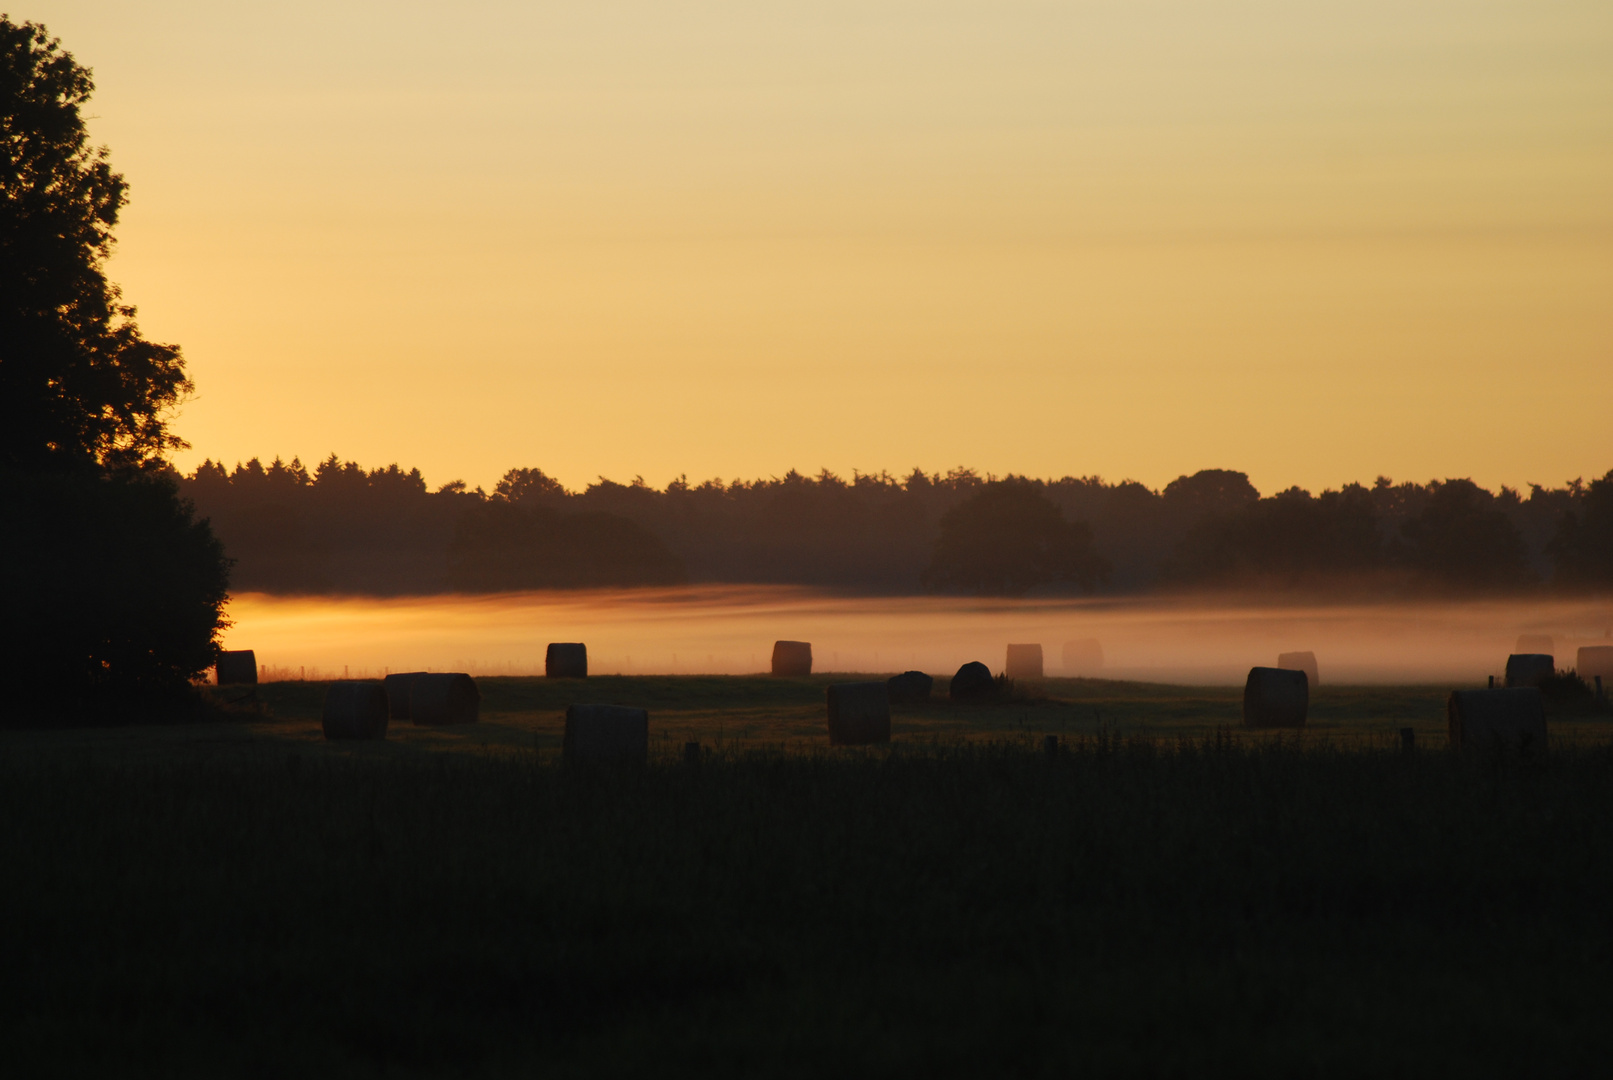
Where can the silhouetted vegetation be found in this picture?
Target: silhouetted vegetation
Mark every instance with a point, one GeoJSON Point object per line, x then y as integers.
{"type": "Point", "coordinates": [342, 529]}
{"type": "Point", "coordinates": [113, 590]}
{"type": "Point", "coordinates": [1008, 538]}
{"type": "Point", "coordinates": [1133, 906]}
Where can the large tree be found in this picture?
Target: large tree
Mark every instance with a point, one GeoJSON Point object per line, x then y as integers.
{"type": "Point", "coordinates": [76, 377]}
{"type": "Point", "coordinates": [113, 590]}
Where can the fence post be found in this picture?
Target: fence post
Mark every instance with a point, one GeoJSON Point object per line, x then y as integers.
{"type": "Point", "coordinates": [1408, 739]}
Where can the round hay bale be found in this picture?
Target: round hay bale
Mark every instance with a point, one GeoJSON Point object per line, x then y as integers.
{"type": "Point", "coordinates": [446, 698]}
{"type": "Point", "coordinates": [1275, 698]}
{"type": "Point", "coordinates": [606, 733]}
{"type": "Point", "coordinates": [1024, 662]}
{"type": "Point", "coordinates": [1300, 661]}
{"type": "Point", "coordinates": [1082, 657]}
{"type": "Point", "coordinates": [1512, 720]}
{"type": "Point", "coordinates": [1594, 660]}
{"type": "Point", "coordinates": [397, 693]}
{"type": "Point", "coordinates": [237, 667]}
{"type": "Point", "coordinates": [1527, 669]}
{"type": "Point", "coordinates": [355, 709]}
{"type": "Point", "coordinates": [910, 687]}
{"type": "Point", "coordinates": [859, 714]}
{"type": "Point", "coordinates": [973, 682]}
{"type": "Point", "coordinates": [792, 658]}
{"type": "Point", "coordinates": [566, 660]}
{"type": "Point", "coordinates": [1542, 644]}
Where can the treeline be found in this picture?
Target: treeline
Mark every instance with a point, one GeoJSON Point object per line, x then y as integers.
{"type": "Point", "coordinates": [343, 529]}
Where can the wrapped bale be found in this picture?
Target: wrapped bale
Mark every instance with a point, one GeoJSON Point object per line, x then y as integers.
{"type": "Point", "coordinates": [859, 714]}
{"type": "Point", "coordinates": [1275, 698]}
{"type": "Point", "coordinates": [910, 687]}
{"type": "Point", "coordinates": [355, 710]}
{"type": "Point", "coordinates": [792, 657]}
{"type": "Point", "coordinates": [1541, 644]}
{"type": "Point", "coordinates": [1527, 669]}
{"type": "Point", "coordinates": [1300, 661]}
{"type": "Point", "coordinates": [1082, 657]}
{"type": "Point", "coordinates": [446, 698]}
{"type": "Point", "coordinates": [1512, 719]}
{"type": "Point", "coordinates": [1594, 660]}
{"type": "Point", "coordinates": [973, 682]}
{"type": "Point", "coordinates": [397, 693]}
{"type": "Point", "coordinates": [1024, 662]}
{"type": "Point", "coordinates": [566, 660]}
{"type": "Point", "coordinates": [606, 733]}
{"type": "Point", "coordinates": [238, 667]}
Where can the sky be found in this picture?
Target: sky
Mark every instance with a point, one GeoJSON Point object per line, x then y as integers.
{"type": "Point", "coordinates": [1316, 242]}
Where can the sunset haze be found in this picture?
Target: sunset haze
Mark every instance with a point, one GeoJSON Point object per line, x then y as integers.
{"type": "Point", "coordinates": [1313, 242]}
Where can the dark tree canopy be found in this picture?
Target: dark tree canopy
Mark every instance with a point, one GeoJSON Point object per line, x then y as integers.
{"type": "Point", "coordinates": [113, 590]}
{"type": "Point", "coordinates": [76, 377]}
{"type": "Point", "coordinates": [1008, 539]}
{"type": "Point", "coordinates": [1583, 546]}
{"type": "Point", "coordinates": [1461, 538]}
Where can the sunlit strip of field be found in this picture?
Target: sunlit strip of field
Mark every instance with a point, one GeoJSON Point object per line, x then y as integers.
{"type": "Point", "coordinates": [730, 630]}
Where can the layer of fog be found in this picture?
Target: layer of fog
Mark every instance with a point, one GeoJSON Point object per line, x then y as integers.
{"type": "Point", "coordinates": [731, 630]}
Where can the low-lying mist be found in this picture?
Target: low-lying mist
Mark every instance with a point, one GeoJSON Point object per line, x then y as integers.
{"type": "Point", "coordinates": [731, 630]}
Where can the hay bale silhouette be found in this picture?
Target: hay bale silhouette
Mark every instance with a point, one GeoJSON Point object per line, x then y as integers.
{"type": "Point", "coordinates": [397, 693]}
{"type": "Point", "coordinates": [606, 733]}
{"type": "Point", "coordinates": [1024, 662]}
{"type": "Point", "coordinates": [1542, 644]}
{"type": "Point", "coordinates": [1275, 698]}
{"type": "Point", "coordinates": [792, 657]}
{"type": "Point", "coordinates": [859, 714]}
{"type": "Point", "coordinates": [973, 682]}
{"type": "Point", "coordinates": [237, 667]}
{"type": "Point", "coordinates": [445, 698]}
{"type": "Point", "coordinates": [1594, 660]}
{"type": "Point", "coordinates": [354, 709]}
{"type": "Point", "coordinates": [566, 660]}
{"type": "Point", "coordinates": [1512, 719]}
{"type": "Point", "coordinates": [1527, 669]}
{"type": "Point", "coordinates": [1300, 661]}
{"type": "Point", "coordinates": [1082, 657]}
{"type": "Point", "coordinates": [910, 687]}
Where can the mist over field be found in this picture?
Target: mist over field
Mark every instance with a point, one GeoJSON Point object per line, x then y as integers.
{"type": "Point", "coordinates": [730, 630]}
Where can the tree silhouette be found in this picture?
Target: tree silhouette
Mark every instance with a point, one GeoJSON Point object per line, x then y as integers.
{"type": "Point", "coordinates": [113, 589]}
{"type": "Point", "coordinates": [1007, 539]}
{"type": "Point", "coordinates": [1462, 539]}
{"type": "Point", "coordinates": [76, 377]}
{"type": "Point", "coordinates": [1583, 546]}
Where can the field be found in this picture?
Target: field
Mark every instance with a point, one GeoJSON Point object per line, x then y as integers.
{"type": "Point", "coordinates": [1169, 895]}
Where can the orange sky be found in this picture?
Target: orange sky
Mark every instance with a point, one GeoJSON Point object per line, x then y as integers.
{"type": "Point", "coordinates": [1316, 241]}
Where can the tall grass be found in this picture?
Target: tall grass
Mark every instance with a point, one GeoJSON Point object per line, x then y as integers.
{"type": "Point", "coordinates": [1131, 905]}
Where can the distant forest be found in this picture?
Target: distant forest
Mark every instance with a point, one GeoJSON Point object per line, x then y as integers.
{"type": "Point", "coordinates": [343, 529]}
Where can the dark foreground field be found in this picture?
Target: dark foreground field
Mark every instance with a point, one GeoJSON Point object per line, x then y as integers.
{"type": "Point", "coordinates": [244, 899]}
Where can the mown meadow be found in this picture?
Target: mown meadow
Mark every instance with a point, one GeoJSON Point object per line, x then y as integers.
{"type": "Point", "coordinates": [1167, 895]}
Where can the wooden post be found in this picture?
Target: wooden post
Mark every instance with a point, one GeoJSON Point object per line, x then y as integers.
{"type": "Point", "coordinates": [691, 753]}
{"type": "Point", "coordinates": [1408, 739]}
{"type": "Point", "coordinates": [1492, 682]}
{"type": "Point", "coordinates": [1050, 746]}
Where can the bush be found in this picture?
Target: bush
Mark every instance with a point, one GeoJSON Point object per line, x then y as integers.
{"type": "Point", "coordinates": [114, 596]}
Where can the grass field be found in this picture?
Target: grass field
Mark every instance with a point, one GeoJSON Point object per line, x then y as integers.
{"type": "Point", "coordinates": [246, 899]}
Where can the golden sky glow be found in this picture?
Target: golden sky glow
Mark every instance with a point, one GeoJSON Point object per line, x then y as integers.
{"type": "Point", "coordinates": [1315, 241]}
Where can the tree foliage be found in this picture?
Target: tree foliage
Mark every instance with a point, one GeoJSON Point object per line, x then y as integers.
{"type": "Point", "coordinates": [76, 376]}
{"type": "Point", "coordinates": [1008, 539]}
{"type": "Point", "coordinates": [1583, 546]}
{"type": "Point", "coordinates": [113, 589]}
